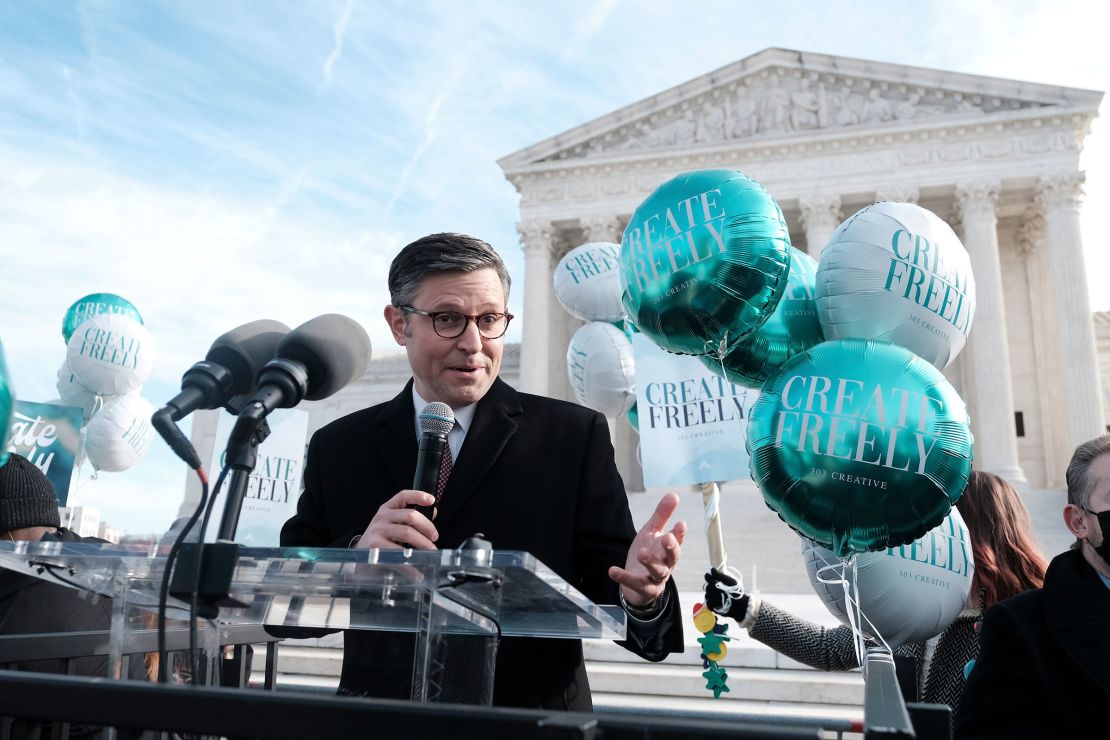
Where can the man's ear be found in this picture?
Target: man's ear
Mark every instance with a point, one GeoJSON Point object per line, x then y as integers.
{"type": "Point", "coordinates": [395, 317]}
{"type": "Point", "coordinates": [1075, 521]}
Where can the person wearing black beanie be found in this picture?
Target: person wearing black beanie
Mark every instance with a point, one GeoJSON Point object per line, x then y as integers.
{"type": "Point", "coordinates": [28, 504]}
{"type": "Point", "coordinates": [29, 605]}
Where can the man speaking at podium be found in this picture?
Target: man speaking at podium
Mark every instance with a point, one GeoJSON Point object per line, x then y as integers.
{"type": "Point", "coordinates": [530, 473]}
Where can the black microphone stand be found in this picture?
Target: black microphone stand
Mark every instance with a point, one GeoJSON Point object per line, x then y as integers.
{"type": "Point", "coordinates": [206, 570]}
{"type": "Point", "coordinates": [250, 431]}
{"type": "Point", "coordinates": [282, 383]}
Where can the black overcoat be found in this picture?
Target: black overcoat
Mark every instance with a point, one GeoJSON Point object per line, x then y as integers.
{"type": "Point", "coordinates": [533, 474]}
{"type": "Point", "coordinates": [1044, 661]}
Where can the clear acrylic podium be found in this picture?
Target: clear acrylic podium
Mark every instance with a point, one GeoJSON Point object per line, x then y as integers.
{"type": "Point", "coordinates": [440, 595]}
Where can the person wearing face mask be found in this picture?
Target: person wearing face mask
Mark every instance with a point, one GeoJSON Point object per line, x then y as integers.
{"type": "Point", "coordinates": [1044, 662]}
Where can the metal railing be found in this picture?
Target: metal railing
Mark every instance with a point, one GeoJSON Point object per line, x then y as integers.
{"type": "Point", "coordinates": [69, 646]}
{"type": "Point", "coordinates": [195, 709]}
{"type": "Point", "coordinates": [134, 705]}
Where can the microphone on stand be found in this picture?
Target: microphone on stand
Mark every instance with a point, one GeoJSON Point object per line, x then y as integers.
{"type": "Point", "coordinates": [229, 369]}
{"type": "Point", "coordinates": [312, 362]}
{"type": "Point", "coordinates": [436, 420]}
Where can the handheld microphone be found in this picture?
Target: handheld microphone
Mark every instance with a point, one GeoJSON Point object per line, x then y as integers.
{"type": "Point", "coordinates": [229, 369]}
{"type": "Point", "coordinates": [436, 420]}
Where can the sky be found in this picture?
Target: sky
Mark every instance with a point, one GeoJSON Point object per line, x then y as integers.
{"type": "Point", "coordinates": [216, 162]}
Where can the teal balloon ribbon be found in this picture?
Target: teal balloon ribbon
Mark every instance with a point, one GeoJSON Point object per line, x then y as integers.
{"type": "Point", "coordinates": [707, 254]}
{"type": "Point", "coordinates": [792, 327]}
{"type": "Point", "coordinates": [95, 304]}
{"type": "Point", "coordinates": [7, 404]}
{"type": "Point", "coordinates": [860, 445]}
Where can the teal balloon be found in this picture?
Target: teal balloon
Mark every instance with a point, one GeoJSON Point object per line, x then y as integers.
{"type": "Point", "coordinates": [7, 403]}
{"type": "Point", "coordinates": [793, 327]}
{"type": "Point", "coordinates": [859, 445]}
{"type": "Point", "coordinates": [634, 417]}
{"type": "Point", "coordinates": [95, 304]}
{"type": "Point", "coordinates": [627, 327]}
{"type": "Point", "coordinates": [704, 260]}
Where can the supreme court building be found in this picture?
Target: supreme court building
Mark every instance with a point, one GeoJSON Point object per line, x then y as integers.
{"type": "Point", "coordinates": [998, 159]}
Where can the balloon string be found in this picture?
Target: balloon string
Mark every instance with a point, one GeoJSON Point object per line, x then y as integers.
{"type": "Point", "coordinates": [835, 574]}
{"type": "Point", "coordinates": [718, 350]}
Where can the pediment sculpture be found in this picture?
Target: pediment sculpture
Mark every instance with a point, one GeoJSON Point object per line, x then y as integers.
{"type": "Point", "coordinates": [779, 102]}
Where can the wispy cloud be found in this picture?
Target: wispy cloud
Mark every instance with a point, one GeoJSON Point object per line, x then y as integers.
{"type": "Point", "coordinates": [587, 27]}
{"type": "Point", "coordinates": [133, 138]}
{"type": "Point", "coordinates": [339, 32]}
{"type": "Point", "coordinates": [431, 132]}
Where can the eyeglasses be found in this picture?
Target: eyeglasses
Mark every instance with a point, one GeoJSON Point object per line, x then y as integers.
{"type": "Point", "coordinates": [451, 324]}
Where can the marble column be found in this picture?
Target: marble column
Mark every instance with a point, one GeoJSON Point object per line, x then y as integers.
{"type": "Point", "coordinates": [1058, 197]}
{"type": "Point", "coordinates": [897, 192]}
{"type": "Point", "coordinates": [988, 347]}
{"type": "Point", "coordinates": [538, 240]}
{"type": "Point", "coordinates": [626, 440]}
{"type": "Point", "coordinates": [561, 328]}
{"type": "Point", "coordinates": [1046, 347]}
{"type": "Point", "coordinates": [602, 228]}
{"type": "Point", "coordinates": [820, 216]}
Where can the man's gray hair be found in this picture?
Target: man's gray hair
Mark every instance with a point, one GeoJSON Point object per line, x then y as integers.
{"type": "Point", "coordinates": [438, 253]}
{"type": "Point", "coordinates": [1080, 481]}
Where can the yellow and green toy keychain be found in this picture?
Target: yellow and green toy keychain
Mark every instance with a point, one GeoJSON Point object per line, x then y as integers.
{"type": "Point", "coordinates": [714, 634]}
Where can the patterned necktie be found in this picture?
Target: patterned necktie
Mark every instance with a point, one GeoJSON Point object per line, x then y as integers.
{"type": "Point", "coordinates": [445, 465]}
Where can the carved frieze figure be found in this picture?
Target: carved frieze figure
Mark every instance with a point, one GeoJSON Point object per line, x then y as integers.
{"type": "Point", "coordinates": [840, 109]}
{"type": "Point", "coordinates": [682, 130]}
{"type": "Point", "coordinates": [877, 108]}
{"type": "Point", "coordinates": [710, 125]}
{"type": "Point", "coordinates": [907, 108]}
{"type": "Point", "coordinates": [775, 115]}
{"type": "Point", "coordinates": [807, 107]}
{"type": "Point", "coordinates": [745, 118]}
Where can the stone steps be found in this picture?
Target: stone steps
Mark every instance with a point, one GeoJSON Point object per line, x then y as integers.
{"type": "Point", "coordinates": [763, 686]}
{"type": "Point", "coordinates": [754, 684]}
{"type": "Point", "coordinates": [835, 722]}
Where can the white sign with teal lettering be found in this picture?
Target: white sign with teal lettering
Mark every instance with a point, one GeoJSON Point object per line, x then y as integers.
{"type": "Point", "coordinates": [693, 423]}
{"type": "Point", "coordinates": [275, 484]}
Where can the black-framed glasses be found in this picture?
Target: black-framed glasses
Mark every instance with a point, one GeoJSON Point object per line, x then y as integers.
{"type": "Point", "coordinates": [451, 324]}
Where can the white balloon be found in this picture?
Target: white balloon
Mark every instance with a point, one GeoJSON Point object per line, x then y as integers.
{"type": "Point", "coordinates": [111, 354]}
{"type": "Point", "coordinates": [907, 593]}
{"type": "Point", "coordinates": [897, 272]}
{"type": "Point", "coordinates": [588, 282]}
{"type": "Point", "coordinates": [119, 434]}
{"type": "Point", "coordinates": [72, 393]}
{"type": "Point", "coordinates": [601, 368]}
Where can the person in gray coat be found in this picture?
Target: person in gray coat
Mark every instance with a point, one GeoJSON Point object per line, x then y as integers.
{"type": "Point", "coordinates": [1007, 562]}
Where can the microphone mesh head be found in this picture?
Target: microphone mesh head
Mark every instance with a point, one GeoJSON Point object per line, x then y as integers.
{"type": "Point", "coordinates": [437, 418]}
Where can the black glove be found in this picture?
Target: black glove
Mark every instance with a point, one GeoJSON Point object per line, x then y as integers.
{"type": "Point", "coordinates": [724, 596]}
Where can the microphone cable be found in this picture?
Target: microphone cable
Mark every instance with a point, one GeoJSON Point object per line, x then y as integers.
{"type": "Point", "coordinates": [171, 559]}
{"type": "Point", "coordinates": [194, 589]}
